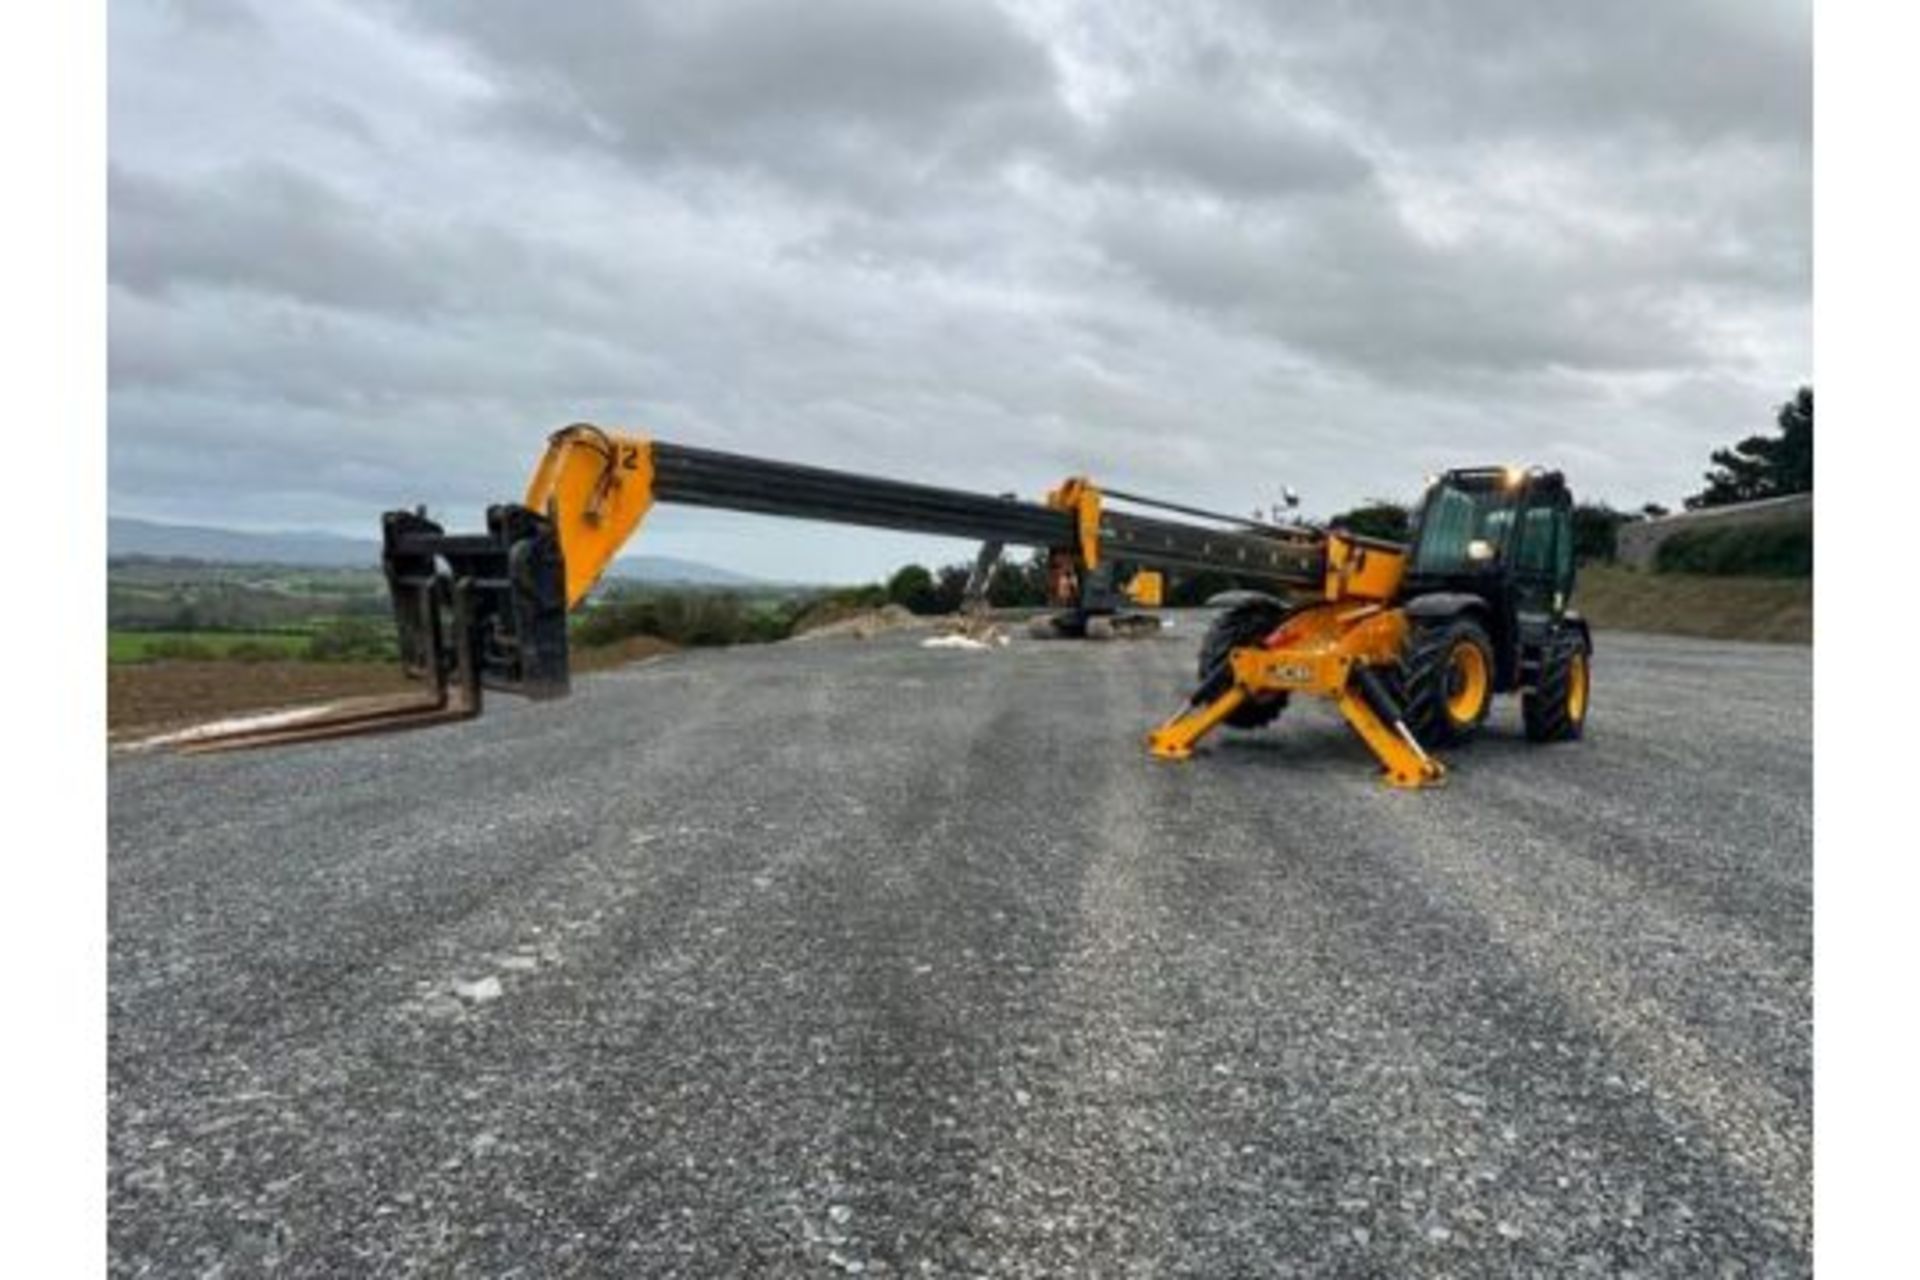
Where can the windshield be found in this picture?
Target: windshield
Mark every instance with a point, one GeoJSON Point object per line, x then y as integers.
{"type": "Point", "coordinates": [1455, 517]}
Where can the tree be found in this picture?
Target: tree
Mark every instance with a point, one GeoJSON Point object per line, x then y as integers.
{"type": "Point", "coordinates": [912, 588]}
{"type": "Point", "coordinates": [1653, 511]}
{"type": "Point", "coordinates": [1764, 466]}
{"type": "Point", "coordinates": [1596, 531]}
{"type": "Point", "coordinates": [1019, 584]}
{"type": "Point", "coordinates": [1376, 518]}
{"type": "Point", "coordinates": [950, 587]}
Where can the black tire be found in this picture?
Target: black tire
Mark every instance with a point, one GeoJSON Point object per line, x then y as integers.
{"type": "Point", "coordinates": [1556, 710]}
{"type": "Point", "coordinates": [1426, 675]}
{"type": "Point", "coordinates": [1242, 625]}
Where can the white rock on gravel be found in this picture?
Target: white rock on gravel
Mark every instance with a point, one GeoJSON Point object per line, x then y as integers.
{"type": "Point", "coordinates": [479, 992]}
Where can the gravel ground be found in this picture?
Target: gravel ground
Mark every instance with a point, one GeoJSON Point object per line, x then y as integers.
{"type": "Point", "coordinates": [854, 957]}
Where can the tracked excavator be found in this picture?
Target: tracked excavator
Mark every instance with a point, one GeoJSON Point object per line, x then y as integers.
{"type": "Point", "coordinates": [1411, 642]}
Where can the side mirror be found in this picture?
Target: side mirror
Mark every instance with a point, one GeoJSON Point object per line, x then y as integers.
{"type": "Point", "coordinates": [1479, 551]}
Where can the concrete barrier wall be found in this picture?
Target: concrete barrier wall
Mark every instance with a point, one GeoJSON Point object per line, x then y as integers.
{"type": "Point", "coordinates": [1640, 541]}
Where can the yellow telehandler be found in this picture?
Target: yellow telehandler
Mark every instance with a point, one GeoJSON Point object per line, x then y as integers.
{"type": "Point", "coordinates": [1411, 642]}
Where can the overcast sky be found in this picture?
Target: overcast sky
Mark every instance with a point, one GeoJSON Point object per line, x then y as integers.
{"type": "Point", "coordinates": [366, 255]}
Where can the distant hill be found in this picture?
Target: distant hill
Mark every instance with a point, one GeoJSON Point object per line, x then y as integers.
{"type": "Point", "coordinates": [674, 569]}
{"type": "Point", "coordinates": [130, 537]}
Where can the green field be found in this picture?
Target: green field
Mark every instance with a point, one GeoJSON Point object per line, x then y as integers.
{"type": "Point", "coordinates": [152, 646]}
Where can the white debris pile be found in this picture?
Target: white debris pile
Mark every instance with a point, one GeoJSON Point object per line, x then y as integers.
{"type": "Point", "coordinates": [958, 642]}
{"type": "Point", "coordinates": [972, 628]}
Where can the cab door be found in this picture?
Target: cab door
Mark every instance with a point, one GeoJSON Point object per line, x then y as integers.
{"type": "Point", "coordinates": [1542, 562]}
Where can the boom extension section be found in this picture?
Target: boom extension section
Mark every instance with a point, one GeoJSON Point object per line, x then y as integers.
{"type": "Point", "coordinates": [592, 489]}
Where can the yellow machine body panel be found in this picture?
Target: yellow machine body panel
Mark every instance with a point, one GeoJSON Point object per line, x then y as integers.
{"type": "Point", "coordinates": [1359, 570]}
{"type": "Point", "coordinates": [1147, 588]}
{"type": "Point", "coordinates": [596, 486]}
{"type": "Point", "coordinates": [1314, 650]}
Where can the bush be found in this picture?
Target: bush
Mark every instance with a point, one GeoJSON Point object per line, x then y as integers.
{"type": "Point", "coordinates": [870, 596]}
{"type": "Point", "coordinates": [912, 589]}
{"type": "Point", "coordinates": [765, 626]}
{"type": "Point", "coordinates": [1019, 584]}
{"type": "Point", "coordinates": [613, 620]}
{"type": "Point", "coordinates": [1781, 549]}
{"type": "Point", "coordinates": [1377, 518]}
{"type": "Point", "coordinates": [690, 618]}
{"type": "Point", "coordinates": [180, 649]}
{"type": "Point", "coordinates": [253, 651]}
{"type": "Point", "coordinates": [354, 640]}
{"type": "Point", "coordinates": [950, 587]}
{"type": "Point", "coordinates": [1596, 532]}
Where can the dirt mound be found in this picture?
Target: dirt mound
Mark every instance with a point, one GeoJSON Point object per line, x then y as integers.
{"type": "Point", "coordinates": [861, 624]}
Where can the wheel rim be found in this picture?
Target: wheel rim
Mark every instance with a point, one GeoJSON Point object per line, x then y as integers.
{"type": "Point", "coordinates": [1467, 683]}
{"type": "Point", "coordinates": [1577, 688]}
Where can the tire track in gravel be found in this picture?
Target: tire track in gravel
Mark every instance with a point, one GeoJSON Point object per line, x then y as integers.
{"type": "Point", "coordinates": [902, 1017]}
{"type": "Point", "coordinates": [1378, 873]}
{"type": "Point", "coordinates": [1575, 929]}
{"type": "Point", "coordinates": [1080, 1177]}
{"type": "Point", "coordinates": [1477, 1094]}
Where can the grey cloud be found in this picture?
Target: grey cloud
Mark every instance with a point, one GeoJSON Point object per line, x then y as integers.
{"type": "Point", "coordinates": [869, 99]}
{"type": "Point", "coordinates": [1191, 249]}
{"type": "Point", "coordinates": [814, 95]}
{"type": "Point", "coordinates": [1698, 71]}
{"type": "Point", "coordinates": [342, 118]}
{"type": "Point", "coordinates": [1234, 148]}
{"type": "Point", "coordinates": [219, 17]}
{"type": "Point", "coordinates": [262, 227]}
{"type": "Point", "coordinates": [266, 228]}
{"type": "Point", "coordinates": [1351, 282]}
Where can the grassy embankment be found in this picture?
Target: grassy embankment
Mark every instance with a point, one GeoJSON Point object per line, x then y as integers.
{"type": "Point", "coordinates": [1687, 604]}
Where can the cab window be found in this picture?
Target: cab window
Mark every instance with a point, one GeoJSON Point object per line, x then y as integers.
{"type": "Point", "coordinates": [1539, 541]}
{"type": "Point", "coordinates": [1452, 520]}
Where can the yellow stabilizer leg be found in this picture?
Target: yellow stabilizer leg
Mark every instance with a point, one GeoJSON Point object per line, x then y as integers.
{"type": "Point", "coordinates": [1399, 754]}
{"type": "Point", "coordinates": [1174, 740]}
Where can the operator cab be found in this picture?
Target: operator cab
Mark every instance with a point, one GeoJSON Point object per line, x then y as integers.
{"type": "Point", "coordinates": [1505, 535]}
